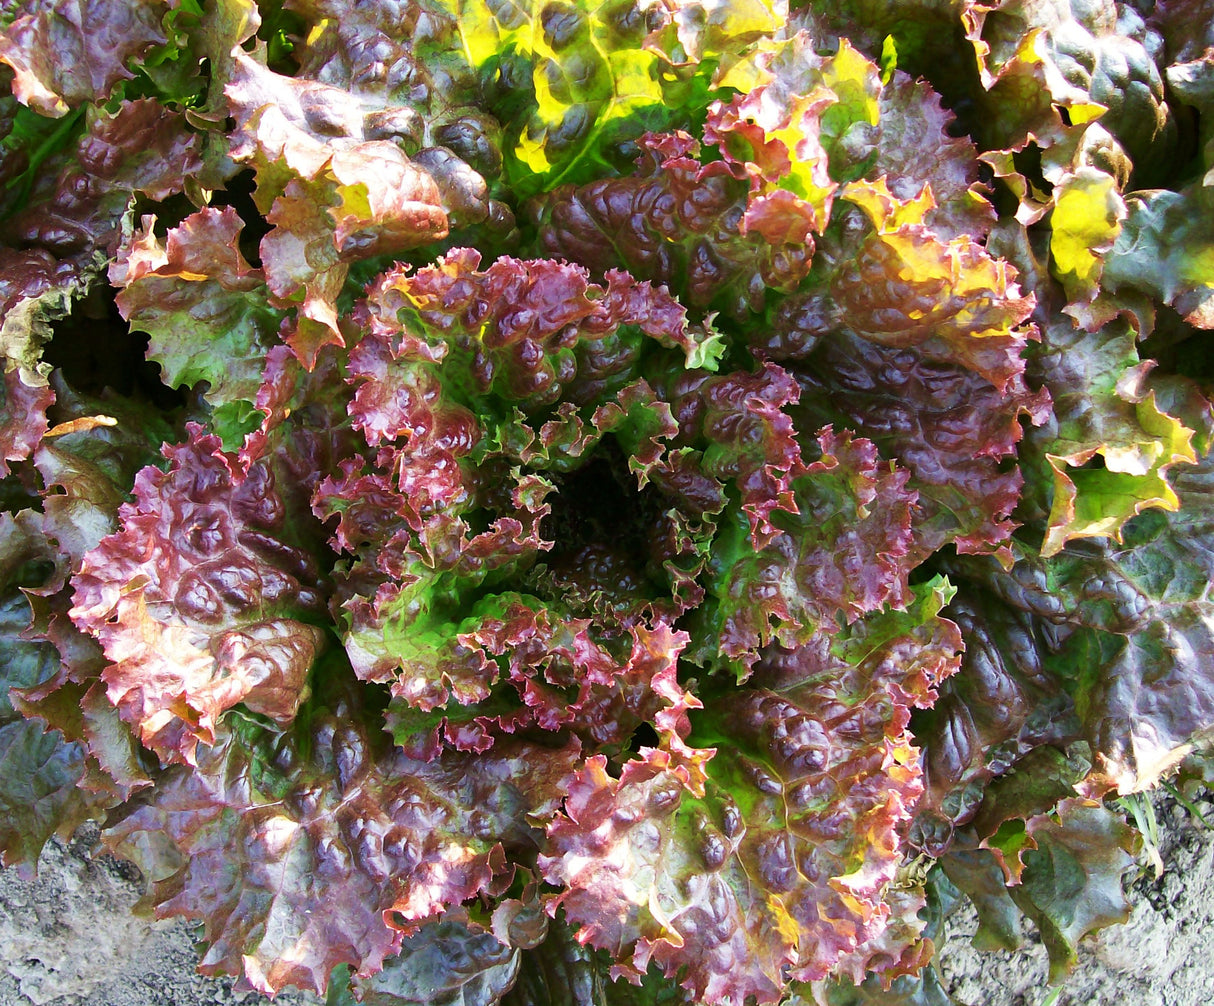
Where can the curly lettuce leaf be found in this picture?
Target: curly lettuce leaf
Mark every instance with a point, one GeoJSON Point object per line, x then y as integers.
{"type": "Point", "coordinates": [562, 675]}
{"type": "Point", "coordinates": [78, 203]}
{"type": "Point", "coordinates": [1164, 250]}
{"type": "Point", "coordinates": [333, 194]}
{"type": "Point", "coordinates": [907, 287]}
{"type": "Point", "coordinates": [349, 844]}
{"type": "Point", "coordinates": [773, 849]}
{"type": "Point", "coordinates": [531, 332]}
{"type": "Point", "coordinates": [949, 427]}
{"type": "Point", "coordinates": [746, 437]}
{"type": "Point", "coordinates": [23, 419]}
{"type": "Point", "coordinates": [1003, 704]}
{"type": "Point", "coordinates": [198, 600]}
{"type": "Point", "coordinates": [190, 287]}
{"type": "Point", "coordinates": [455, 361]}
{"type": "Point", "coordinates": [401, 598]}
{"type": "Point", "coordinates": [58, 232]}
{"type": "Point", "coordinates": [841, 551]}
{"type": "Point", "coordinates": [1111, 451]}
{"type": "Point", "coordinates": [677, 222]}
{"type": "Point", "coordinates": [598, 77]}
{"type": "Point", "coordinates": [1038, 57]}
{"type": "Point", "coordinates": [69, 52]}
{"type": "Point", "coordinates": [1130, 635]}
{"type": "Point", "coordinates": [916, 148]}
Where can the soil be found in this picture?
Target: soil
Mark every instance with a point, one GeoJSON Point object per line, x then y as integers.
{"type": "Point", "coordinates": [70, 937]}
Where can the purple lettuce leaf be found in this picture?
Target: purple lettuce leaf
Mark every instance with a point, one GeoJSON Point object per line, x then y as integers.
{"type": "Point", "coordinates": [1003, 704]}
{"type": "Point", "coordinates": [537, 331]}
{"type": "Point", "coordinates": [563, 972]}
{"type": "Point", "coordinates": [949, 427]}
{"type": "Point", "coordinates": [349, 844]}
{"type": "Point", "coordinates": [68, 52]}
{"type": "Point", "coordinates": [198, 599]}
{"type": "Point", "coordinates": [397, 600]}
{"type": "Point", "coordinates": [1186, 28]}
{"type": "Point", "coordinates": [87, 462]}
{"type": "Point", "coordinates": [452, 362]}
{"type": "Point", "coordinates": [1130, 634]}
{"type": "Point", "coordinates": [73, 210]}
{"type": "Point", "coordinates": [406, 66]}
{"type": "Point", "coordinates": [676, 222]}
{"type": "Point", "coordinates": [23, 419]}
{"type": "Point", "coordinates": [900, 285]}
{"type": "Point", "coordinates": [78, 202]}
{"type": "Point", "coordinates": [746, 436]}
{"type": "Point", "coordinates": [917, 148]}
{"type": "Point", "coordinates": [333, 194]}
{"type": "Point", "coordinates": [772, 850]}
{"type": "Point", "coordinates": [562, 675]}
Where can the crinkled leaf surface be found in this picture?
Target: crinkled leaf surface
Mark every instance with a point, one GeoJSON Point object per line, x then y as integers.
{"type": "Point", "coordinates": [674, 221]}
{"type": "Point", "coordinates": [543, 503]}
{"type": "Point", "coordinates": [344, 836]}
{"type": "Point", "coordinates": [198, 599]}
{"type": "Point", "coordinates": [190, 287]}
{"type": "Point", "coordinates": [773, 849]}
{"type": "Point", "coordinates": [39, 769]}
{"type": "Point", "coordinates": [68, 52]}
{"type": "Point", "coordinates": [1002, 704]}
{"type": "Point", "coordinates": [1133, 630]}
{"type": "Point", "coordinates": [1164, 248]}
{"type": "Point", "coordinates": [444, 964]}
{"type": "Point", "coordinates": [948, 426]}
{"type": "Point", "coordinates": [597, 75]}
{"type": "Point", "coordinates": [839, 551]}
{"type": "Point", "coordinates": [1105, 409]}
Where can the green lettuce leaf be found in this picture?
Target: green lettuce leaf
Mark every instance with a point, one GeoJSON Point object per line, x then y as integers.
{"type": "Point", "coordinates": [185, 289]}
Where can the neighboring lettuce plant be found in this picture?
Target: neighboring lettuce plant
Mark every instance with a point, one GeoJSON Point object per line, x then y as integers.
{"type": "Point", "coordinates": [638, 502]}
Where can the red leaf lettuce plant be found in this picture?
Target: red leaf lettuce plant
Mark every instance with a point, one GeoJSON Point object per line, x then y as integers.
{"type": "Point", "coordinates": [646, 501]}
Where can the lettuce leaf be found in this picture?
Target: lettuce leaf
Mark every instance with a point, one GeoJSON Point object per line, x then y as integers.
{"type": "Point", "coordinates": [772, 849]}
{"type": "Point", "coordinates": [199, 600]}
{"type": "Point", "coordinates": [351, 844]}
